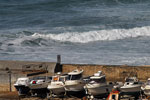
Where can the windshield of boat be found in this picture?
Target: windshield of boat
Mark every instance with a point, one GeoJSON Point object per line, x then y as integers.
{"type": "Point", "coordinates": [59, 78]}
{"type": "Point", "coordinates": [129, 80]}
{"type": "Point", "coordinates": [75, 77]}
{"type": "Point", "coordinates": [45, 78]}
{"type": "Point", "coordinates": [148, 82]}
{"type": "Point", "coordinates": [39, 78]}
{"type": "Point", "coordinates": [62, 79]}
{"type": "Point", "coordinates": [101, 80]}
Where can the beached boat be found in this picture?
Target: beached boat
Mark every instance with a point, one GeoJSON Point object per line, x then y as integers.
{"type": "Point", "coordinates": [131, 86]}
{"type": "Point", "coordinates": [75, 84]}
{"type": "Point", "coordinates": [56, 86]}
{"type": "Point", "coordinates": [22, 86]}
{"type": "Point", "coordinates": [38, 85]}
{"type": "Point", "coordinates": [98, 87]}
{"type": "Point", "coordinates": [146, 88]}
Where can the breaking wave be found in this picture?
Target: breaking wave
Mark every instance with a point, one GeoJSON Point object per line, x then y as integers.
{"type": "Point", "coordinates": [91, 36]}
{"type": "Point", "coordinates": [39, 39]}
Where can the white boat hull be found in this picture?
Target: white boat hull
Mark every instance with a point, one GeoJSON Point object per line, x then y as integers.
{"type": "Point", "coordinates": [77, 85]}
{"type": "Point", "coordinates": [22, 85]}
{"type": "Point", "coordinates": [38, 86]}
{"type": "Point", "coordinates": [146, 90]}
{"type": "Point", "coordinates": [131, 89]}
{"type": "Point", "coordinates": [56, 89]}
{"type": "Point", "coordinates": [98, 89]}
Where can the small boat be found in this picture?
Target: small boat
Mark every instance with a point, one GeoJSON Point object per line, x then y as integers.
{"type": "Point", "coordinates": [98, 87]}
{"type": "Point", "coordinates": [56, 86]}
{"type": "Point", "coordinates": [38, 85]}
{"type": "Point", "coordinates": [74, 86]}
{"type": "Point", "coordinates": [131, 86]}
{"type": "Point", "coordinates": [146, 88]}
{"type": "Point", "coordinates": [22, 86]}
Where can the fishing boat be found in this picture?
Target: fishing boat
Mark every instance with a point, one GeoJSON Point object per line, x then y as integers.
{"type": "Point", "coordinates": [146, 88]}
{"type": "Point", "coordinates": [131, 86]}
{"type": "Point", "coordinates": [56, 87]}
{"type": "Point", "coordinates": [22, 86]}
{"type": "Point", "coordinates": [98, 87]}
{"type": "Point", "coordinates": [74, 85]}
{"type": "Point", "coordinates": [38, 85]}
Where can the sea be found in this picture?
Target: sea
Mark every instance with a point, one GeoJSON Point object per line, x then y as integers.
{"type": "Point", "coordinates": [110, 32]}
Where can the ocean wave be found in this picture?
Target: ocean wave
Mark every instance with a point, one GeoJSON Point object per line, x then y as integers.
{"type": "Point", "coordinates": [91, 36]}
{"type": "Point", "coordinates": [40, 39]}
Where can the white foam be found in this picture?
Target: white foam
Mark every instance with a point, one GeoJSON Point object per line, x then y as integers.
{"type": "Point", "coordinates": [85, 37]}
